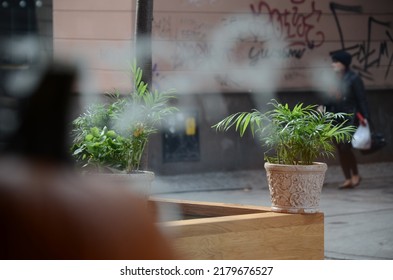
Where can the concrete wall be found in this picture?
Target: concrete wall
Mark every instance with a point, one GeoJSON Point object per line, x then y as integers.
{"type": "Point", "coordinates": [264, 45]}
{"type": "Point", "coordinates": [97, 35]}
{"type": "Point", "coordinates": [203, 46]}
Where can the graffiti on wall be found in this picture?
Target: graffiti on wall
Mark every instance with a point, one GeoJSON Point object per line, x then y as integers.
{"type": "Point", "coordinates": [299, 29]}
{"type": "Point", "coordinates": [369, 53]}
{"type": "Point", "coordinates": [300, 25]}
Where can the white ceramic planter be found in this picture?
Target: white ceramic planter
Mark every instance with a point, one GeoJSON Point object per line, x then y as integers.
{"type": "Point", "coordinates": [295, 188]}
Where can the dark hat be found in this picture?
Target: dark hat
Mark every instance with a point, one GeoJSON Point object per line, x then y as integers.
{"type": "Point", "coordinates": [343, 57]}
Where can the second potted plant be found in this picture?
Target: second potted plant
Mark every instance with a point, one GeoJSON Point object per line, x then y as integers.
{"type": "Point", "coordinates": [295, 139]}
{"type": "Point", "coordinates": [111, 137]}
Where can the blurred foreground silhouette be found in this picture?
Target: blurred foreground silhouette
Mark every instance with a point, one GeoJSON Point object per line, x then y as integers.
{"type": "Point", "coordinates": [49, 212]}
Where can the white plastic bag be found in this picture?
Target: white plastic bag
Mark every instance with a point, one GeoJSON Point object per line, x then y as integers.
{"type": "Point", "coordinates": [362, 137]}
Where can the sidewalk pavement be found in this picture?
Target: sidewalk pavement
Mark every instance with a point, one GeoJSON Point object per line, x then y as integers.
{"type": "Point", "coordinates": [358, 222]}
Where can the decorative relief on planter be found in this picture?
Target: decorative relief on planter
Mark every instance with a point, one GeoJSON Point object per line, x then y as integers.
{"type": "Point", "coordinates": [295, 188]}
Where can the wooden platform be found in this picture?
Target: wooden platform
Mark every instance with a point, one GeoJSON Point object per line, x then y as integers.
{"type": "Point", "coordinates": [229, 232]}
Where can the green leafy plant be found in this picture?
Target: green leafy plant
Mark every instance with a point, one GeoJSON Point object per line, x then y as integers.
{"type": "Point", "coordinates": [112, 136]}
{"type": "Point", "coordinates": [296, 136]}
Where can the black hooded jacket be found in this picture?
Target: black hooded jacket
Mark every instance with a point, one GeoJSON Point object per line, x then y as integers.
{"type": "Point", "coordinates": [351, 99]}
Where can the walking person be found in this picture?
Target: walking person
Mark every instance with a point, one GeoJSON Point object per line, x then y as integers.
{"type": "Point", "coordinates": [349, 97]}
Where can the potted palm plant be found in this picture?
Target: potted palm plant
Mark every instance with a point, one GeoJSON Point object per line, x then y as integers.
{"type": "Point", "coordinates": [111, 137]}
{"type": "Point", "coordinates": [295, 139]}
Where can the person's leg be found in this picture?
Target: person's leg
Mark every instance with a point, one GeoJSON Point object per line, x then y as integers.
{"type": "Point", "coordinates": [352, 165]}
{"type": "Point", "coordinates": [346, 159]}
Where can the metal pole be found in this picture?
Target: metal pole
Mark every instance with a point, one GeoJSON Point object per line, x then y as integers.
{"type": "Point", "coordinates": [143, 28]}
{"type": "Point", "coordinates": [143, 51]}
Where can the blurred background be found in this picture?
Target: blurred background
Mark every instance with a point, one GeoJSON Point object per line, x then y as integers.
{"type": "Point", "coordinates": [220, 56]}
